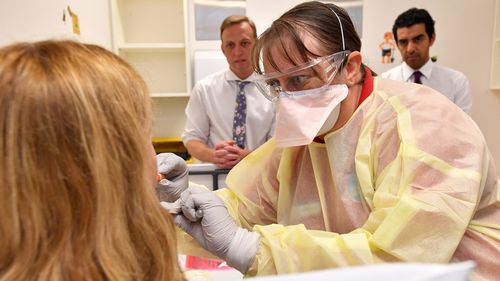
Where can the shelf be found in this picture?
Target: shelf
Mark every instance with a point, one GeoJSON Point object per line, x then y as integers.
{"type": "Point", "coordinates": [163, 70]}
{"type": "Point", "coordinates": [151, 35]}
{"type": "Point", "coordinates": [150, 21]}
{"type": "Point", "coordinates": [169, 95]}
{"type": "Point", "coordinates": [146, 47]}
{"type": "Point", "coordinates": [169, 116]}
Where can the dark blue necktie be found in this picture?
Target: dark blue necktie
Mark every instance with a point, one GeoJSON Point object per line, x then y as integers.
{"type": "Point", "coordinates": [416, 77]}
{"type": "Point", "coordinates": [240, 115]}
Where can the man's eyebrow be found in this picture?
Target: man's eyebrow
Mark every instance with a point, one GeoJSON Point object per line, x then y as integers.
{"type": "Point", "coordinates": [418, 36]}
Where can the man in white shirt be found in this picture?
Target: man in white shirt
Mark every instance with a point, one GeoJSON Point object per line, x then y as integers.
{"type": "Point", "coordinates": [414, 34]}
{"type": "Point", "coordinates": [227, 117]}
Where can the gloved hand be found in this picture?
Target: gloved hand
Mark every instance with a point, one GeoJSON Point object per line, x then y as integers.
{"type": "Point", "coordinates": [216, 231]}
{"type": "Point", "coordinates": [175, 176]}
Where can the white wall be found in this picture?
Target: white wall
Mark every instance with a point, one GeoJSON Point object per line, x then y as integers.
{"type": "Point", "coordinates": [22, 20]}
{"type": "Point", "coordinates": [464, 34]}
{"type": "Point", "coordinates": [264, 12]}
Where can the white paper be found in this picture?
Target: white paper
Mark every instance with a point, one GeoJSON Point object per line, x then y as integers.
{"type": "Point", "coordinates": [385, 272]}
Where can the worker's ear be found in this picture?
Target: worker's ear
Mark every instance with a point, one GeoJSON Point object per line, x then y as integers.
{"type": "Point", "coordinates": [351, 68]}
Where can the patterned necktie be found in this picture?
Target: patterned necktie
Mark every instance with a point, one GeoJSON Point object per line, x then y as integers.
{"type": "Point", "coordinates": [240, 115]}
{"type": "Point", "coordinates": [416, 77]}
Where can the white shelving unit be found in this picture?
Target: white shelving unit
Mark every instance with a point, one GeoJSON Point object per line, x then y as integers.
{"type": "Point", "coordinates": [152, 36]}
{"type": "Point", "coordinates": [495, 64]}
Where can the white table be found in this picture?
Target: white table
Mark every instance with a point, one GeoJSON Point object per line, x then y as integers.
{"type": "Point", "coordinates": [208, 175]}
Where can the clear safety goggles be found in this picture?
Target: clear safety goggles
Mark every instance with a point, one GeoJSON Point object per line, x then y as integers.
{"type": "Point", "coordinates": [316, 73]}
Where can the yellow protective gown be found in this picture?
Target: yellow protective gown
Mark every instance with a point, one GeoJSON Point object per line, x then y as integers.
{"type": "Point", "coordinates": [408, 178]}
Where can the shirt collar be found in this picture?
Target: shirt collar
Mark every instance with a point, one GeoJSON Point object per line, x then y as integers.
{"type": "Point", "coordinates": [426, 70]}
{"type": "Point", "coordinates": [230, 76]}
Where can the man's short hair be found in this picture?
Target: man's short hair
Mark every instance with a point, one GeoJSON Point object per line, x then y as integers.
{"type": "Point", "coordinates": [237, 19]}
{"type": "Point", "coordinates": [411, 17]}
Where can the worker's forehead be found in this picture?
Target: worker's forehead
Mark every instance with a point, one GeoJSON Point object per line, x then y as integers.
{"type": "Point", "coordinates": [287, 54]}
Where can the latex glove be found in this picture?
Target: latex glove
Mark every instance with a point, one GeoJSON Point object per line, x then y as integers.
{"type": "Point", "coordinates": [216, 230]}
{"type": "Point", "coordinates": [175, 176]}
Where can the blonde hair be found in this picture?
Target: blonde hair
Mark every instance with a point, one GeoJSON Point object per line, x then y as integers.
{"type": "Point", "coordinates": [234, 20]}
{"type": "Point", "coordinates": [76, 197]}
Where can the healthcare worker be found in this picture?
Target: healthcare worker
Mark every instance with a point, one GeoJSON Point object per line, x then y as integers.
{"type": "Point", "coordinates": [361, 170]}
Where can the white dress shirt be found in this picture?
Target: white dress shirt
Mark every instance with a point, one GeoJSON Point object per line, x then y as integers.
{"type": "Point", "coordinates": [451, 83]}
{"type": "Point", "coordinates": [210, 111]}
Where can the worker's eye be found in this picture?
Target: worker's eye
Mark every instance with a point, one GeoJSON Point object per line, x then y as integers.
{"type": "Point", "coordinates": [298, 80]}
{"type": "Point", "coordinates": [296, 83]}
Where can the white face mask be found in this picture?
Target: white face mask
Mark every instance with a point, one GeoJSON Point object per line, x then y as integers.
{"type": "Point", "coordinates": [330, 121]}
{"type": "Point", "coordinates": [303, 115]}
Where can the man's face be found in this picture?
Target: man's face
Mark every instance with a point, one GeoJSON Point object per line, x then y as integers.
{"type": "Point", "coordinates": [414, 43]}
{"type": "Point", "coordinates": [237, 43]}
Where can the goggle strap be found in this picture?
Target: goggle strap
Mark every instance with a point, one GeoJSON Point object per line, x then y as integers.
{"type": "Point", "coordinates": [341, 29]}
{"type": "Point", "coordinates": [329, 67]}
{"type": "Point", "coordinates": [333, 66]}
